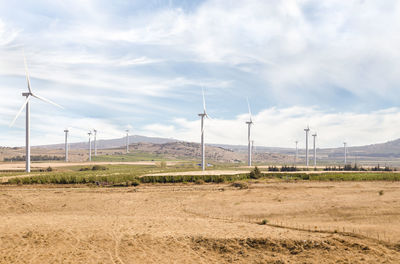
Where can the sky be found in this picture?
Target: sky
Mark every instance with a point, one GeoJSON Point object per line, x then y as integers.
{"type": "Point", "coordinates": [141, 65]}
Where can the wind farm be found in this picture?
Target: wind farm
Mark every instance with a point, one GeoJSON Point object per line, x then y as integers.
{"type": "Point", "coordinates": [199, 132]}
{"type": "Point", "coordinates": [145, 164]}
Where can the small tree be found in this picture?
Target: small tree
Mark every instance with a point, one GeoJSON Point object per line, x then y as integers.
{"type": "Point", "coordinates": [256, 173]}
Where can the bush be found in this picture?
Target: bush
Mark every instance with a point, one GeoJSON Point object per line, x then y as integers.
{"type": "Point", "coordinates": [49, 169]}
{"type": "Point", "coordinates": [381, 192]}
{"type": "Point", "coordinates": [264, 222]}
{"type": "Point", "coordinates": [240, 185]}
{"type": "Point", "coordinates": [256, 173]}
{"type": "Point", "coordinates": [99, 167]}
{"type": "Point", "coordinates": [199, 181]}
{"type": "Point", "coordinates": [273, 168]}
{"type": "Point", "coordinates": [288, 168]}
{"type": "Point", "coordinates": [135, 183]}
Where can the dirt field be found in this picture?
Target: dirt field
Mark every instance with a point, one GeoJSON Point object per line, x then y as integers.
{"type": "Point", "coordinates": [202, 223]}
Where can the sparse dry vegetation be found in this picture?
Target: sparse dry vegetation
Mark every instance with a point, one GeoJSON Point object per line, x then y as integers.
{"type": "Point", "coordinates": [333, 222]}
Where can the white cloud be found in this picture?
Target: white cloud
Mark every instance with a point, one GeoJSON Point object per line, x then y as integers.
{"type": "Point", "coordinates": [96, 61]}
{"type": "Point", "coordinates": [282, 127]}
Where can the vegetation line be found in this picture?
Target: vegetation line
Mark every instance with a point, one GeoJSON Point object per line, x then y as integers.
{"type": "Point", "coordinates": [113, 176]}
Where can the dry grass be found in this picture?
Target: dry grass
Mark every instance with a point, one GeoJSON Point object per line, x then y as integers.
{"type": "Point", "coordinates": [206, 223]}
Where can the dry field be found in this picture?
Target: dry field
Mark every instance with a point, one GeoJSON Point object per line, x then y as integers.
{"type": "Point", "coordinates": [206, 223]}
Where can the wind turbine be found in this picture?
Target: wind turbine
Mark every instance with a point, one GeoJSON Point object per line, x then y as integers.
{"type": "Point", "coordinates": [315, 150]}
{"type": "Point", "coordinates": [90, 146]}
{"type": "Point", "coordinates": [249, 123]}
{"type": "Point", "coordinates": [127, 141]}
{"type": "Point", "coordinates": [95, 146]}
{"type": "Point", "coordinates": [307, 130]}
{"type": "Point", "coordinates": [203, 115]}
{"type": "Point", "coordinates": [66, 144]}
{"type": "Point", "coordinates": [26, 105]}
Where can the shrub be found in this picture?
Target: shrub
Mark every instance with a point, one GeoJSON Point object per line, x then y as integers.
{"type": "Point", "coordinates": [49, 169]}
{"type": "Point", "coordinates": [199, 181]}
{"type": "Point", "coordinates": [99, 167]}
{"type": "Point", "coordinates": [135, 183]}
{"type": "Point", "coordinates": [240, 185]}
{"type": "Point", "coordinates": [264, 222]}
{"type": "Point", "coordinates": [288, 168]}
{"type": "Point", "coordinates": [380, 192]}
{"type": "Point", "coordinates": [256, 173]}
{"type": "Point", "coordinates": [273, 168]}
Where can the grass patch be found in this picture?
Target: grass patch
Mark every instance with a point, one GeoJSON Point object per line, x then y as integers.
{"type": "Point", "coordinates": [130, 157]}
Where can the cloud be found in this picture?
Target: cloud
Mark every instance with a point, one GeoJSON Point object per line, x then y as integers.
{"type": "Point", "coordinates": [276, 127]}
{"type": "Point", "coordinates": [143, 63]}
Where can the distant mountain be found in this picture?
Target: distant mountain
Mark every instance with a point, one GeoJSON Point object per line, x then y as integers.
{"type": "Point", "coordinates": [383, 151]}
{"type": "Point", "coordinates": [390, 149]}
{"type": "Point", "coordinates": [189, 150]}
{"type": "Point", "coordinates": [112, 143]}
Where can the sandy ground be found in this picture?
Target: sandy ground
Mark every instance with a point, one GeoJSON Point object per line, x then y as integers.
{"type": "Point", "coordinates": [201, 223]}
{"type": "Point", "coordinates": [43, 165]}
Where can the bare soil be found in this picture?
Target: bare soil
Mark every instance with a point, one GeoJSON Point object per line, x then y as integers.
{"type": "Point", "coordinates": [308, 222]}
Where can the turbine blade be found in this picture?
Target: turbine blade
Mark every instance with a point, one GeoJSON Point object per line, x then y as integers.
{"type": "Point", "coordinates": [27, 74]}
{"type": "Point", "coordinates": [248, 106]}
{"type": "Point", "coordinates": [47, 101]}
{"type": "Point", "coordinates": [20, 111]}
{"type": "Point", "coordinates": [204, 100]}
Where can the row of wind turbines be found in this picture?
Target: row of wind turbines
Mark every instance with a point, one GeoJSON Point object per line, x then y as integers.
{"type": "Point", "coordinates": [29, 94]}
{"type": "Point", "coordinates": [250, 142]}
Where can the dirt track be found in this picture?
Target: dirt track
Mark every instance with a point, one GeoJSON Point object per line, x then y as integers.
{"type": "Point", "coordinates": [200, 223]}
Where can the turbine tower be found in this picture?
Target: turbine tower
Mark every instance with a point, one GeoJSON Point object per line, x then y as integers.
{"type": "Point", "coordinates": [202, 116]}
{"type": "Point", "coordinates": [249, 123]}
{"type": "Point", "coordinates": [307, 130]}
{"type": "Point", "coordinates": [66, 144]}
{"type": "Point", "coordinates": [127, 141]}
{"type": "Point", "coordinates": [26, 105]}
{"type": "Point", "coordinates": [315, 150]}
{"type": "Point", "coordinates": [95, 146]}
{"type": "Point", "coordinates": [297, 152]}
{"type": "Point", "coordinates": [345, 153]}
{"type": "Point", "coordinates": [90, 146]}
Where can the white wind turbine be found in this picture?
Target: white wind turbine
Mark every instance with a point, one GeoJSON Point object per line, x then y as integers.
{"type": "Point", "coordinates": [127, 141]}
{"type": "Point", "coordinates": [307, 130]}
{"type": "Point", "coordinates": [249, 123]}
{"type": "Point", "coordinates": [90, 145]}
{"type": "Point", "coordinates": [95, 142]}
{"type": "Point", "coordinates": [26, 105]}
{"type": "Point", "coordinates": [315, 149]}
{"type": "Point", "coordinates": [66, 131]}
{"type": "Point", "coordinates": [203, 115]}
